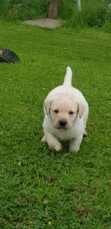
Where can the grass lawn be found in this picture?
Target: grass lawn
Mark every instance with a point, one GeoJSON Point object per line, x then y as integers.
{"type": "Point", "coordinates": [39, 188]}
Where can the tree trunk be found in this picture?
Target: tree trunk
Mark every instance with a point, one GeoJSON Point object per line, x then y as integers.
{"type": "Point", "coordinates": [53, 9]}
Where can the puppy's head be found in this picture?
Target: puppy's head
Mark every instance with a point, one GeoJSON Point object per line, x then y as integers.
{"type": "Point", "coordinates": [63, 109]}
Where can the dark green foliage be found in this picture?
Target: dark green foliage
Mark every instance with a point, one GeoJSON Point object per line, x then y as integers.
{"type": "Point", "coordinates": [24, 9]}
{"type": "Point", "coordinates": [96, 17]}
{"type": "Point", "coordinates": [107, 25]}
{"type": "Point", "coordinates": [66, 9]}
{"type": "Point", "coordinates": [94, 13]}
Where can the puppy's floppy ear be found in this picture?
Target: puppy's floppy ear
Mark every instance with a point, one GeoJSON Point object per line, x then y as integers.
{"type": "Point", "coordinates": [47, 104]}
{"type": "Point", "coordinates": [81, 109]}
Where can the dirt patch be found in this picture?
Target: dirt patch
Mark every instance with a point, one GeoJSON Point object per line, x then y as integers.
{"type": "Point", "coordinates": [45, 23]}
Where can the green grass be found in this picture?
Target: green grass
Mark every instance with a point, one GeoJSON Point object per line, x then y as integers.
{"type": "Point", "coordinates": [39, 186]}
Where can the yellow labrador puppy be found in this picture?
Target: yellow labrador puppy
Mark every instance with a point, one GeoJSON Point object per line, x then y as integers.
{"type": "Point", "coordinates": [66, 113]}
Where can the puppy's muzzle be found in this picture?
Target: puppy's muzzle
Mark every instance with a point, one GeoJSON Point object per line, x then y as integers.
{"type": "Point", "coordinates": [62, 123]}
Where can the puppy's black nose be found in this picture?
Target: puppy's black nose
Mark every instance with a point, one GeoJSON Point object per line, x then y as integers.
{"type": "Point", "coordinates": [62, 123]}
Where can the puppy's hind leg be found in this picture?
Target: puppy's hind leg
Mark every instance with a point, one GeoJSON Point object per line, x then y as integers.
{"type": "Point", "coordinates": [53, 142]}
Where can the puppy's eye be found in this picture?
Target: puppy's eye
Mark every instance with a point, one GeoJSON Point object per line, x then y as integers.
{"type": "Point", "coordinates": [56, 111]}
{"type": "Point", "coordinates": [71, 112]}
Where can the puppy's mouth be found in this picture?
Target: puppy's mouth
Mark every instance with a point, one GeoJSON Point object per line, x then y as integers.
{"type": "Point", "coordinates": [61, 128]}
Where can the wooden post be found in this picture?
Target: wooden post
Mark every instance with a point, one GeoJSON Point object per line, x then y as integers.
{"type": "Point", "coordinates": [53, 9]}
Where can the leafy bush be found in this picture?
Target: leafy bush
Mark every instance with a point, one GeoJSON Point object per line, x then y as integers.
{"type": "Point", "coordinates": [107, 25]}
{"type": "Point", "coordinates": [94, 13]}
{"type": "Point", "coordinates": [66, 8]}
{"type": "Point", "coordinates": [3, 8]}
{"type": "Point", "coordinates": [96, 17]}
{"type": "Point", "coordinates": [23, 9]}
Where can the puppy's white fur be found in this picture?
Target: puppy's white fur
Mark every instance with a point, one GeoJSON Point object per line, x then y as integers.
{"type": "Point", "coordinates": [66, 113]}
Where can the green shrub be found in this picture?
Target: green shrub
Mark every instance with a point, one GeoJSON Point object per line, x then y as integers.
{"type": "Point", "coordinates": [66, 9]}
{"type": "Point", "coordinates": [23, 9]}
{"type": "Point", "coordinates": [77, 19]}
{"type": "Point", "coordinates": [96, 17]}
{"type": "Point", "coordinates": [107, 25]}
{"type": "Point", "coordinates": [3, 8]}
{"type": "Point", "coordinates": [94, 13]}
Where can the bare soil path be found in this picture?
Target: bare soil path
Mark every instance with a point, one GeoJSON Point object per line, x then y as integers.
{"type": "Point", "coordinates": [45, 23]}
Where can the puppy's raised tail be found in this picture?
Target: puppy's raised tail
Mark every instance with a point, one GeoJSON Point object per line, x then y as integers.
{"type": "Point", "coordinates": [68, 77]}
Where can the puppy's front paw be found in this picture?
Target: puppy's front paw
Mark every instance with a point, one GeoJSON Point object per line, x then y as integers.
{"type": "Point", "coordinates": [75, 144]}
{"type": "Point", "coordinates": [74, 148]}
{"type": "Point", "coordinates": [57, 147]}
